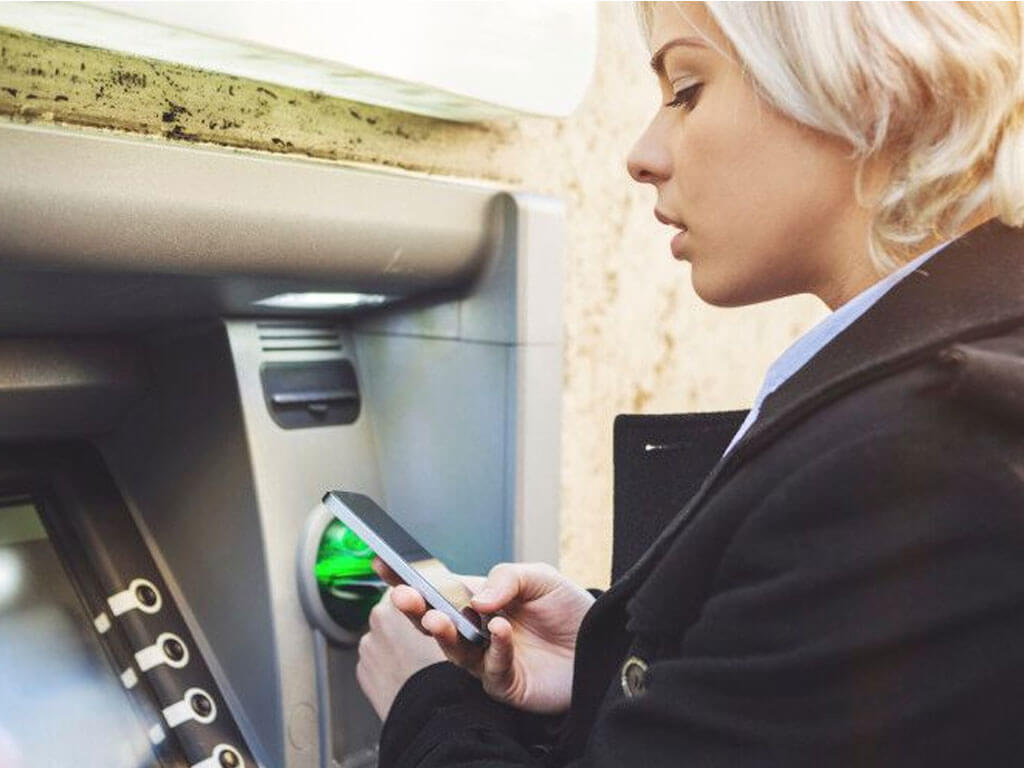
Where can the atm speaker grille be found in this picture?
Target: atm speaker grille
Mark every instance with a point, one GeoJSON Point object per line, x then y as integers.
{"type": "Point", "coordinates": [285, 336]}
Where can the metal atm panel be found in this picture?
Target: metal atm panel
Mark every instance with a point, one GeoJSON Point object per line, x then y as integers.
{"type": "Point", "coordinates": [132, 275]}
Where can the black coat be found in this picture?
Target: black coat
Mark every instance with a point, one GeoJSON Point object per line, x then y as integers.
{"type": "Point", "coordinates": [845, 588]}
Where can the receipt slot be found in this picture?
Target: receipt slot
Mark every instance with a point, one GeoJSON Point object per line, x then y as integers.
{"type": "Point", "coordinates": [228, 345]}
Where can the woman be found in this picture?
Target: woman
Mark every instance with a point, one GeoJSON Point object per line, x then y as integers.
{"type": "Point", "coordinates": [845, 585]}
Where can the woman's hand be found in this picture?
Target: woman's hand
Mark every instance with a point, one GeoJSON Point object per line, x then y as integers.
{"type": "Point", "coordinates": [529, 661]}
{"type": "Point", "coordinates": [390, 653]}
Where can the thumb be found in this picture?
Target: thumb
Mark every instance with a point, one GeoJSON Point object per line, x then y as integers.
{"type": "Point", "coordinates": [498, 658]}
{"type": "Point", "coordinates": [502, 587]}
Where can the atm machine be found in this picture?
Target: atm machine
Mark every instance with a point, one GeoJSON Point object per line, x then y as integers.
{"type": "Point", "coordinates": [195, 345]}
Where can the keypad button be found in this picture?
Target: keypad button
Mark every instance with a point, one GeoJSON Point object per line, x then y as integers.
{"type": "Point", "coordinates": [146, 595]}
{"type": "Point", "coordinates": [201, 704]}
{"type": "Point", "coordinates": [173, 649]}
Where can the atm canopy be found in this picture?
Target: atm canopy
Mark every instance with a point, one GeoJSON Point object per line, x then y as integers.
{"type": "Point", "coordinates": [97, 229]}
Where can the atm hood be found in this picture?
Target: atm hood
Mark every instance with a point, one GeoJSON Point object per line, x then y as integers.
{"type": "Point", "coordinates": [136, 342]}
{"type": "Point", "coordinates": [98, 229]}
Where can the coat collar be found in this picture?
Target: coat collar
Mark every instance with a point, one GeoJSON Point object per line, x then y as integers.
{"type": "Point", "coordinates": [972, 288]}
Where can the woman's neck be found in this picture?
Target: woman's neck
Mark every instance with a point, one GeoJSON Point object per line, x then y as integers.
{"type": "Point", "coordinates": [861, 274]}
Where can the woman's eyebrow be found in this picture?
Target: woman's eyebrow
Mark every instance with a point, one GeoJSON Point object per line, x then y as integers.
{"type": "Point", "coordinates": [657, 60]}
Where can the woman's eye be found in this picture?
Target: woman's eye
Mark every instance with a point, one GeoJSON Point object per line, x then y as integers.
{"type": "Point", "coordinates": [687, 97]}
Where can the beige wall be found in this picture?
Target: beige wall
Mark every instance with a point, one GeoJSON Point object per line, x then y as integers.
{"type": "Point", "coordinates": [637, 338]}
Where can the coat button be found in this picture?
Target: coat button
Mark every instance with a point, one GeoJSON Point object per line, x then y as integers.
{"type": "Point", "coordinates": [634, 677]}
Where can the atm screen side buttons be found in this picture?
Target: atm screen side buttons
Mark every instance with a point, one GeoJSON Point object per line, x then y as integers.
{"type": "Point", "coordinates": [141, 595]}
{"type": "Point", "coordinates": [196, 705]}
{"type": "Point", "coordinates": [223, 756]}
{"type": "Point", "coordinates": [168, 649]}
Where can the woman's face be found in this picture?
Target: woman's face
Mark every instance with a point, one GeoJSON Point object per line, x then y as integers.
{"type": "Point", "coordinates": [767, 204]}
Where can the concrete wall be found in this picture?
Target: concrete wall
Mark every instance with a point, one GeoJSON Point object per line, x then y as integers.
{"type": "Point", "coordinates": [638, 338]}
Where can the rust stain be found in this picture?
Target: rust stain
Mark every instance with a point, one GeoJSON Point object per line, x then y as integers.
{"type": "Point", "coordinates": [48, 80]}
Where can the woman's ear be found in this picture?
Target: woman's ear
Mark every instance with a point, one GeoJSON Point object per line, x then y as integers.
{"type": "Point", "coordinates": [874, 173]}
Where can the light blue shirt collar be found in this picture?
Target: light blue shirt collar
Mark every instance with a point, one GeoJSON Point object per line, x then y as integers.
{"type": "Point", "coordinates": [807, 346]}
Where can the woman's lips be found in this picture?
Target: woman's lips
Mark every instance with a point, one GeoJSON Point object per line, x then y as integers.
{"type": "Point", "coordinates": [678, 243]}
{"type": "Point", "coordinates": [668, 220]}
{"type": "Point", "coordinates": [679, 239]}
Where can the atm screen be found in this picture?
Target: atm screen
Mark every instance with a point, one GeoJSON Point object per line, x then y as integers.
{"type": "Point", "coordinates": [61, 702]}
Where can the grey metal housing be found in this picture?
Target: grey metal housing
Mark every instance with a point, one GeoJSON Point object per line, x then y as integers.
{"type": "Point", "coordinates": [158, 252]}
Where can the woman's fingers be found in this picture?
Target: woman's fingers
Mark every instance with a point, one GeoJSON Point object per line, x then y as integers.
{"type": "Point", "coordinates": [502, 587]}
{"type": "Point", "coordinates": [497, 662]}
{"type": "Point", "coordinates": [411, 603]}
{"type": "Point", "coordinates": [493, 665]}
{"type": "Point", "coordinates": [473, 583]}
{"type": "Point", "coordinates": [441, 627]}
{"type": "Point", "coordinates": [383, 570]}
{"type": "Point", "coordinates": [458, 651]}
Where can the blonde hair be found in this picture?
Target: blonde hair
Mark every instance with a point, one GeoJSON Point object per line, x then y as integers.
{"type": "Point", "coordinates": [938, 87]}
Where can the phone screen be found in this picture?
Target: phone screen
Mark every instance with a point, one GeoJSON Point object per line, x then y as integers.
{"type": "Point", "coordinates": [376, 527]}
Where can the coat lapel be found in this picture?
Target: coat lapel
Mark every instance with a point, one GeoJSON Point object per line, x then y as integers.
{"type": "Point", "coordinates": [972, 288]}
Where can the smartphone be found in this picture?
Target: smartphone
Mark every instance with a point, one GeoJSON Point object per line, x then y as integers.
{"type": "Point", "coordinates": [409, 559]}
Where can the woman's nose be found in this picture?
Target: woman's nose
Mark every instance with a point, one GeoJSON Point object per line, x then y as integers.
{"type": "Point", "coordinates": [649, 161]}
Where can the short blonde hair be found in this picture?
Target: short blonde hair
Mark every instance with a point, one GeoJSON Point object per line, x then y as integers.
{"type": "Point", "coordinates": [939, 87]}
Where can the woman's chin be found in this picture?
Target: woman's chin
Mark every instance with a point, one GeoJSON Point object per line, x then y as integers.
{"type": "Point", "coordinates": [721, 291]}
{"type": "Point", "coordinates": [717, 293]}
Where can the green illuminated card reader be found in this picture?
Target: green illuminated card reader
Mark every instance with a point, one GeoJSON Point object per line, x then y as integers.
{"type": "Point", "coordinates": [347, 583]}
